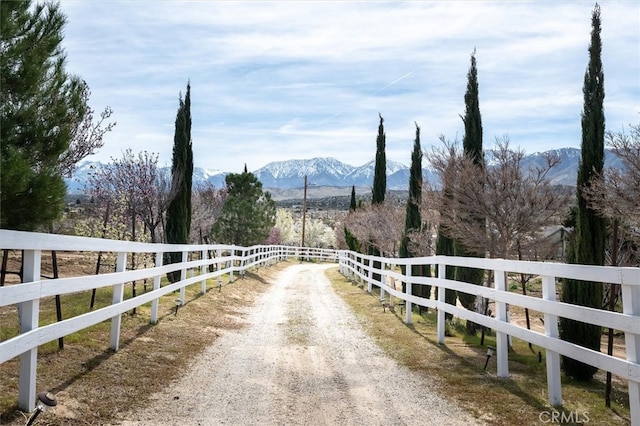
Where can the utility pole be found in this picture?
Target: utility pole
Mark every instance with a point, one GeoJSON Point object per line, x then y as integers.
{"type": "Point", "coordinates": [304, 209]}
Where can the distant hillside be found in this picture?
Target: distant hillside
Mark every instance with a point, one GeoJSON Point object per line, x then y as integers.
{"type": "Point", "coordinates": [328, 177]}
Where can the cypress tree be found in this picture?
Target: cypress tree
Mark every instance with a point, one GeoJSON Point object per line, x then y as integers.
{"type": "Point", "coordinates": [379, 182]}
{"type": "Point", "coordinates": [350, 239]}
{"type": "Point", "coordinates": [472, 148]}
{"type": "Point", "coordinates": [380, 172]}
{"type": "Point", "coordinates": [590, 229]}
{"type": "Point", "coordinates": [413, 218]}
{"type": "Point", "coordinates": [353, 205]}
{"type": "Point", "coordinates": [178, 222]}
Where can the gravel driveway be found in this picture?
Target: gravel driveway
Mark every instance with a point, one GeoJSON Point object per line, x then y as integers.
{"type": "Point", "coordinates": [302, 360]}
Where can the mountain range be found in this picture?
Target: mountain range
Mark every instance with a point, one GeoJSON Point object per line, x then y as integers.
{"type": "Point", "coordinates": [281, 176]}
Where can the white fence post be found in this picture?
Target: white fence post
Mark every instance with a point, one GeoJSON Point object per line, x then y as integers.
{"type": "Point", "coordinates": [408, 288]}
{"type": "Point", "coordinates": [203, 270]}
{"type": "Point", "coordinates": [219, 267]}
{"type": "Point", "coordinates": [631, 306]}
{"type": "Point", "coordinates": [183, 276]}
{"type": "Point", "coordinates": [383, 280]}
{"type": "Point", "coordinates": [442, 269]}
{"type": "Point", "coordinates": [370, 276]}
{"type": "Point", "coordinates": [554, 386]}
{"type": "Point", "coordinates": [118, 296]}
{"type": "Point", "coordinates": [28, 313]}
{"type": "Point", "coordinates": [233, 263]}
{"type": "Point", "coordinates": [502, 339]}
{"type": "Point", "coordinates": [156, 286]}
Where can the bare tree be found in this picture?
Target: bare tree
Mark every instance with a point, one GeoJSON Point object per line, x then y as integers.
{"type": "Point", "coordinates": [87, 135]}
{"type": "Point", "coordinates": [616, 192]}
{"type": "Point", "coordinates": [153, 191]}
{"type": "Point", "coordinates": [515, 203]}
{"type": "Point", "coordinates": [422, 242]}
{"type": "Point", "coordinates": [207, 202]}
{"type": "Point", "coordinates": [379, 225]}
{"type": "Point", "coordinates": [133, 188]}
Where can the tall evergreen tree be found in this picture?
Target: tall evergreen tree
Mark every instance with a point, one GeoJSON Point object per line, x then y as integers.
{"type": "Point", "coordinates": [41, 107]}
{"type": "Point", "coordinates": [248, 214]}
{"type": "Point", "coordinates": [379, 183]}
{"type": "Point", "coordinates": [380, 172]}
{"type": "Point", "coordinates": [590, 229]}
{"type": "Point", "coordinates": [178, 222]}
{"type": "Point", "coordinates": [472, 148]}
{"type": "Point", "coordinates": [353, 204]}
{"type": "Point", "coordinates": [352, 242]}
{"type": "Point", "coordinates": [413, 218]}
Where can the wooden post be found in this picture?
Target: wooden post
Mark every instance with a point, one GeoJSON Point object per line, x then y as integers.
{"type": "Point", "coordinates": [118, 296]}
{"type": "Point", "coordinates": [28, 313]}
{"type": "Point", "coordinates": [502, 339]}
{"type": "Point", "coordinates": [554, 386]}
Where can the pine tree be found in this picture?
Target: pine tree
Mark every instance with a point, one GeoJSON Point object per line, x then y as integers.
{"type": "Point", "coordinates": [248, 214]}
{"type": "Point", "coordinates": [472, 148]}
{"type": "Point", "coordinates": [590, 227]}
{"type": "Point", "coordinates": [178, 222]}
{"type": "Point", "coordinates": [413, 218]}
{"type": "Point", "coordinates": [41, 106]}
{"type": "Point", "coordinates": [380, 172]}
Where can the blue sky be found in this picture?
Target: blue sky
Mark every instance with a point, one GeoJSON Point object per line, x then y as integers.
{"type": "Point", "coordinates": [274, 81]}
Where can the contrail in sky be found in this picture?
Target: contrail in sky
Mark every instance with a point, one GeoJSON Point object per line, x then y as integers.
{"type": "Point", "coordinates": [395, 81]}
{"type": "Point", "coordinates": [375, 93]}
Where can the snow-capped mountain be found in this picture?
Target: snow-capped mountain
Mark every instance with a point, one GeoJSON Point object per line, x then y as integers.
{"type": "Point", "coordinates": [215, 177]}
{"type": "Point", "coordinates": [329, 172]}
{"type": "Point", "coordinates": [291, 173]}
{"type": "Point", "coordinates": [332, 172]}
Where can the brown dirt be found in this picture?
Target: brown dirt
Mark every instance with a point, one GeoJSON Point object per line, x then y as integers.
{"type": "Point", "coordinates": [83, 374]}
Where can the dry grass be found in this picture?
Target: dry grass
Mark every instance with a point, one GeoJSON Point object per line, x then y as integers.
{"type": "Point", "coordinates": [457, 368]}
{"type": "Point", "coordinates": [95, 385]}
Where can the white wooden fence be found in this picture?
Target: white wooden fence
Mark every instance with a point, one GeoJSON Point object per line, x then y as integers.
{"type": "Point", "coordinates": [363, 268]}
{"type": "Point", "coordinates": [27, 296]}
{"type": "Point", "coordinates": [230, 260]}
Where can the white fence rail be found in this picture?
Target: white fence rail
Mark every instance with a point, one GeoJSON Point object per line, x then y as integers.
{"type": "Point", "coordinates": [226, 261]}
{"type": "Point", "coordinates": [364, 268]}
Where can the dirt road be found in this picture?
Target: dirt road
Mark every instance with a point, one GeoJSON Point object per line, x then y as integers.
{"type": "Point", "coordinates": [302, 360]}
